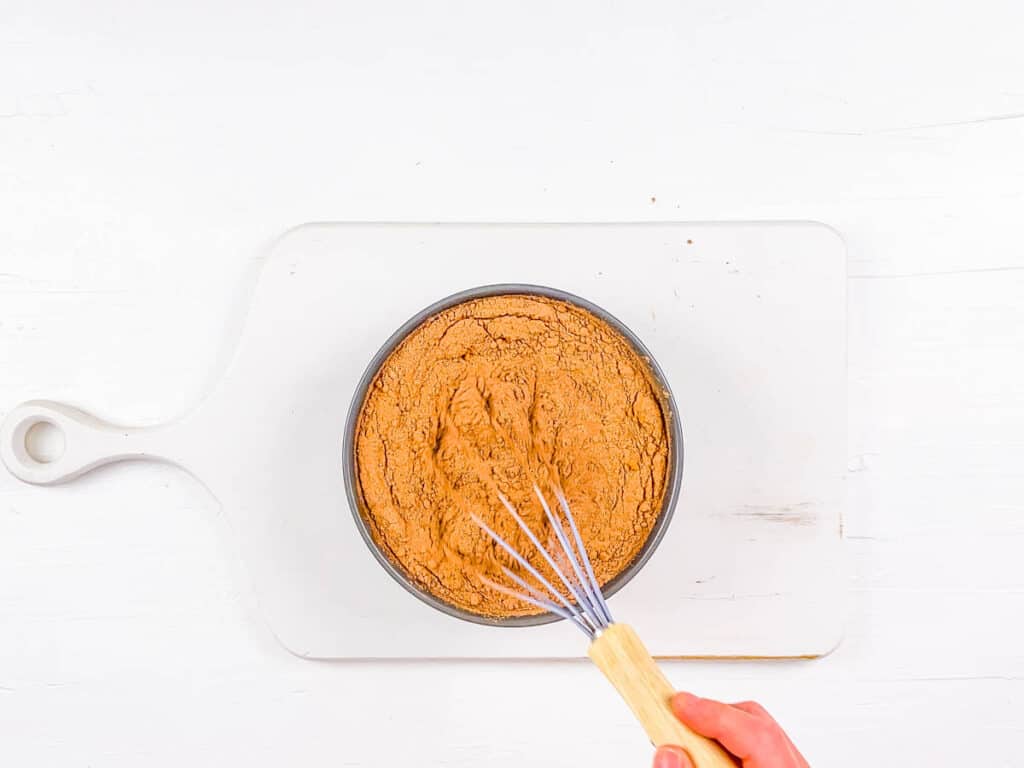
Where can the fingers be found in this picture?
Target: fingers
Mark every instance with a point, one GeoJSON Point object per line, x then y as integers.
{"type": "Point", "coordinates": [755, 709]}
{"type": "Point", "coordinates": [672, 757]}
{"type": "Point", "coordinates": [739, 731]}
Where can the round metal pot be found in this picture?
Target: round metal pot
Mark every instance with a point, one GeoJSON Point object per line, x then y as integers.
{"type": "Point", "coordinates": [675, 468]}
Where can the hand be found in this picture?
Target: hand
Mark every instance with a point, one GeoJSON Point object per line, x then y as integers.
{"type": "Point", "coordinates": [746, 730]}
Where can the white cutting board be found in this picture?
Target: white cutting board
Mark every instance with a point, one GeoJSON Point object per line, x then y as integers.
{"type": "Point", "coordinates": [748, 321]}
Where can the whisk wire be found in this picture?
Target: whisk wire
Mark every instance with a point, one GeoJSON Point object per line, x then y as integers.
{"type": "Point", "coordinates": [542, 603]}
{"type": "Point", "coordinates": [582, 603]}
{"type": "Point", "coordinates": [523, 562]}
{"type": "Point", "coordinates": [586, 608]}
{"type": "Point", "coordinates": [583, 555]}
{"type": "Point", "coordinates": [588, 585]}
{"type": "Point", "coordinates": [583, 622]}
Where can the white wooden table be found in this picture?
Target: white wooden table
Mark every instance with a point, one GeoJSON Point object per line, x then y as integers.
{"type": "Point", "coordinates": [146, 156]}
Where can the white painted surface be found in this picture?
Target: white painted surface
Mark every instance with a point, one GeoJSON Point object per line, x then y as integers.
{"type": "Point", "coordinates": [147, 153]}
{"type": "Point", "coordinates": [750, 565]}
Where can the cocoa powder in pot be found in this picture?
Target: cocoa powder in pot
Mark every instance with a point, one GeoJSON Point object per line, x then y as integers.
{"type": "Point", "coordinates": [493, 395]}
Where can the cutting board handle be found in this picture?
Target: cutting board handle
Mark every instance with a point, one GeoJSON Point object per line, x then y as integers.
{"type": "Point", "coordinates": [89, 442]}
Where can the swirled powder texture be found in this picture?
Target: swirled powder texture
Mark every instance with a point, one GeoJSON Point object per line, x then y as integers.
{"type": "Point", "coordinates": [494, 395]}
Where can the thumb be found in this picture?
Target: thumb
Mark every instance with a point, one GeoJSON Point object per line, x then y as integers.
{"type": "Point", "coordinates": [672, 757]}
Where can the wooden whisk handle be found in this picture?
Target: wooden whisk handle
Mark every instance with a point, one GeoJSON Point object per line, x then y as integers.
{"type": "Point", "coordinates": [618, 653]}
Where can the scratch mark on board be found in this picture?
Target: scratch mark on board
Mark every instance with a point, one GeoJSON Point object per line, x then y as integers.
{"type": "Point", "coordinates": [823, 132]}
{"type": "Point", "coordinates": [896, 129]}
{"type": "Point", "coordinates": [955, 123]}
{"type": "Point", "coordinates": [949, 679]}
{"type": "Point", "coordinates": [904, 275]}
{"type": "Point", "coordinates": [801, 513]}
{"type": "Point", "coordinates": [735, 596]}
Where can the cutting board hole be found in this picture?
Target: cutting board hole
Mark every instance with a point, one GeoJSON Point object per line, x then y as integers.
{"type": "Point", "coordinates": [44, 442]}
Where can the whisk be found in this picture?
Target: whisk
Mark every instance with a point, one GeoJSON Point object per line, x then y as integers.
{"type": "Point", "coordinates": [615, 647]}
